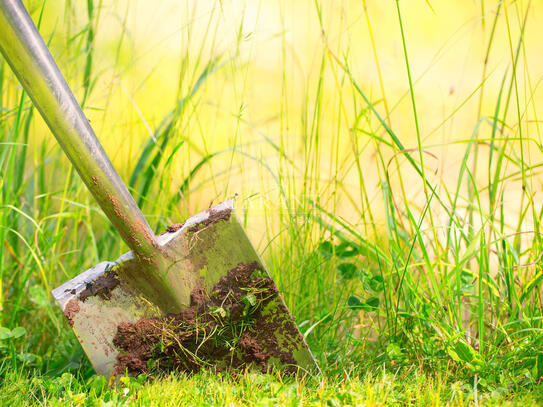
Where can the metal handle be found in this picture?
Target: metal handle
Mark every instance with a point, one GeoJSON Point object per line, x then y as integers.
{"type": "Point", "coordinates": [34, 66]}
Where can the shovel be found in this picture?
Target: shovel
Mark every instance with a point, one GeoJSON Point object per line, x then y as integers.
{"type": "Point", "coordinates": [197, 296]}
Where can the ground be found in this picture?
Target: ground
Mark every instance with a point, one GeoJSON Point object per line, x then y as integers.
{"type": "Point", "coordinates": [404, 387]}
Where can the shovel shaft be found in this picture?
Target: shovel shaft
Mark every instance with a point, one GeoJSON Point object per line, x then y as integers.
{"type": "Point", "coordinates": [34, 66]}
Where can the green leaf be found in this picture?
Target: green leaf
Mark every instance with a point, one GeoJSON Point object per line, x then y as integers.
{"type": "Point", "coordinates": [250, 300]}
{"type": "Point", "coordinates": [347, 270]}
{"type": "Point", "coordinates": [394, 351]}
{"type": "Point", "coordinates": [327, 249]}
{"type": "Point", "coordinates": [464, 351]}
{"type": "Point", "coordinates": [354, 303]}
{"type": "Point", "coordinates": [18, 332]}
{"type": "Point", "coordinates": [346, 249]}
{"type": "Point", "coordinates": [377, 283]}
{"type": "Point", "coordinates": [373, 302]}
{"type": "Point", "coordinates": [531, 285]}
{"type": "Point", "coordinates": [370, 304]}
{"type": "Point", "coordinates": [5, 333]}
{"type": "Point", "coordinates": [28, 358]}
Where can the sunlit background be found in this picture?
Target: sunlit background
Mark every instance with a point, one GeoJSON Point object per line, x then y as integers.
{"type": "Point", "coordinates": [277, 81]}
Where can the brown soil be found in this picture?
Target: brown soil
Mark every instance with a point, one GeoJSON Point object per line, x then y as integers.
{"type": "Point", "coordinates": [224, 329]}
{"type": "Point", "coordinates": [175, 227]}
{"type": "Point", "coordinates": [214, 216]}
{"type": "Point", "coordinates": [102, 287]}
{"type": "Point", "coordinates": [71, 308]}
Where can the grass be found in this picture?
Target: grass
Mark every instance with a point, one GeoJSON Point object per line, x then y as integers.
{"type": "Point", "coordinates": [379, 388]}
{"type": "Point", "coordinates": [403, 232]}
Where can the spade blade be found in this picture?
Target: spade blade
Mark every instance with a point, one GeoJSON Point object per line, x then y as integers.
{"type": "Point", "coordinates": [234, 315]}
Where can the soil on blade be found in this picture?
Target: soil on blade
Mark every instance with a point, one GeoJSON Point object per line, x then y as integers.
{"type": "Point", "coordinates": [102, 286]}
{"type": "Point", "coordinates": [214, 216]}
{"type": "Point", "coordinates": [222, 329]}
{"type": "Point", "coordinates": [70, 310]}
{"type": "Point", "coordinates": [175, 227]}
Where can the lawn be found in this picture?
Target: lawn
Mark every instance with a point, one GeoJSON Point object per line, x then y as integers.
{"type": "Point", "coordinates": [386, 161]}
{"type": "Point", "coordinates": [206, 388]}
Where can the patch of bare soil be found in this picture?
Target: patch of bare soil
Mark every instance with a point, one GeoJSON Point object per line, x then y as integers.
{"type": "Point", "coordinates": [223, 329]}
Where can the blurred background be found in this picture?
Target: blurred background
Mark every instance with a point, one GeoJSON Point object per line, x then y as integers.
{"type": "Point", "coordinates": [272, 85]}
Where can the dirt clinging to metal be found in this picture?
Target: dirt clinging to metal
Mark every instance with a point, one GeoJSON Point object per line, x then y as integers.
{"type": "Point", "coordinates": [102, 286]}
{"type": "Point", "coordinates": [175, 227]}
{"type": "Point", "coordinates": [222, 329]}
{"type": "Point", "coordinates": [214, 216]}
{"type": "Point", "coordinates": [70, 310]}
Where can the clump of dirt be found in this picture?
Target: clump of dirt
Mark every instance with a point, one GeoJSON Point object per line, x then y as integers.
{"type": "Point", "coordinates": [223, 329]}
{"type": "Point", "coordinates": [102, 286]}
{"type": "Point", "coordinates": [71, 308]}
{"type": "Point", "coordinates": [214, 216]}
{"type": "Point", "coordinates": [175, 227]}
